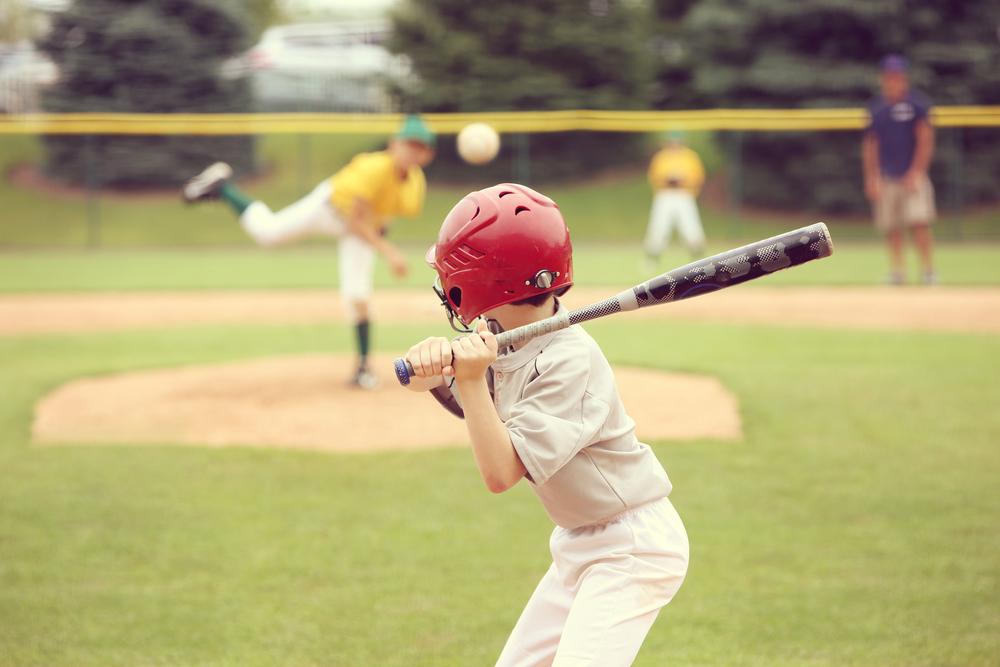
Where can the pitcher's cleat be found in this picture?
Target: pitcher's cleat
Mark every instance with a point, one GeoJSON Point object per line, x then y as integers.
{"type": "Point", "coordinates": [207, 184]}
{"type": "Point", "coordinates": [365, 379]}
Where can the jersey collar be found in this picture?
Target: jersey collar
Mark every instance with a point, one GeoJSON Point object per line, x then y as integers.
{"type": "Point", "coordinates": [527, 353]}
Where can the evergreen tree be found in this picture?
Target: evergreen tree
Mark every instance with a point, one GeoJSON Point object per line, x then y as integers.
{"type": "Point", "coordinates": [546, 55]}
{"type": "Point", "coordinates": [824, 53]}
{"type": "Point", "coordinates": [154, 56]}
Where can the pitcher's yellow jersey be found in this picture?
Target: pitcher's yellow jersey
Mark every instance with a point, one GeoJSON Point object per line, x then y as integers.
{"type": "Point", "coordinates": [676, 166]}
{"type": "Point", "coordinates": [373, 178]}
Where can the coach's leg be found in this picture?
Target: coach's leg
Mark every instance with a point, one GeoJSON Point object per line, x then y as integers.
{"type": "Point", "coordinates": [919, 213]}
{"type": "Point", "coordinates": [535, 638]}
{"type": "Point", "coordinates": [888, 220]}
{"type": "Point", "coordinates": [894, 243]}
{"type": "Point", "coordinates": [357, 271]}
{"type": "Point", "coordinates": [923, 238]}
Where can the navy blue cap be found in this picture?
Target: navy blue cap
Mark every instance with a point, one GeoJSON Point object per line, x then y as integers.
{"type": "Point", "coordinates": [894, 63]}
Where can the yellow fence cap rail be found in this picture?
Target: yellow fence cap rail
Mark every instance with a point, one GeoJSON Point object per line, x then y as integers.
{"type": "Point", "coordinates": [774, 120]}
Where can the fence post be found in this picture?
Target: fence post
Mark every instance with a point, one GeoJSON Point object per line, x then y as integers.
{"type": "Point", "coordinates": [735, 186]}
{"type": "Point", "coordinates": [521, 158]}
{"type": "Point", "coordinates": [304, 159]}
{"type": "Point", "coordinates": [93, 202]}
{"type": "Point", "coordinates": [958, 178]}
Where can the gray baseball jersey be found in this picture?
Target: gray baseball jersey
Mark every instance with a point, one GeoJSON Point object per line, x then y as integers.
{"type": "Point", "coordinates": [558, 399]}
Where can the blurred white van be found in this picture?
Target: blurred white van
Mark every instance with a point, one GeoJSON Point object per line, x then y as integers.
{"type": "Point", "coordinates": [322, 67]}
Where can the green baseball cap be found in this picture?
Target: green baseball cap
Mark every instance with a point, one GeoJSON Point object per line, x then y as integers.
{"type": "Point", "coordinates": [414, 129]}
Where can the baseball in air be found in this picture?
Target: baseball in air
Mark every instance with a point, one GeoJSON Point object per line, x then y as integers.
{"type": "Point", "coordinates": [478, 143]}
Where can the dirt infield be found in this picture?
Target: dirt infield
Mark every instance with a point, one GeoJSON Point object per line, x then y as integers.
{"type": "Point", "coordinates": [303, 402]}
{"type": "Point", "coordinates": [934, 309]}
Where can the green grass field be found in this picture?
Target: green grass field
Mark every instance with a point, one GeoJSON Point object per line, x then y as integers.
{"type": "Point", "coordinates": [611, 265]}
{"type": "Point", "coordinates": [855, 524]}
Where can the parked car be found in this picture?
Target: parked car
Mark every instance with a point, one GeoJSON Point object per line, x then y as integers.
{"type": "Point", "coordinates": [321, 67]}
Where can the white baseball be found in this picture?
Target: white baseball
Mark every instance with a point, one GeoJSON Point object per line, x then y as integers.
{"type": "Point", "coordinates": [478, 143]}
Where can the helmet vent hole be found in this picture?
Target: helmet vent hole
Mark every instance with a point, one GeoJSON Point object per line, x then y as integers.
{"type": "Point", "coordinates": [505, 193]}
{"type": "Point", "coordinates": [521, 208]}
{"type": "Point", "coordinates": [476, 214]}
{"type": "Point", "coordinates": [455, 294]}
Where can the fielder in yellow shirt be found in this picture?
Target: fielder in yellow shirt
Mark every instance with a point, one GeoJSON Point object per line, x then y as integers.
{"type": "Point", "coordinates": [355, 205]}
{"type": "Point", "coordinates": [676, 175]}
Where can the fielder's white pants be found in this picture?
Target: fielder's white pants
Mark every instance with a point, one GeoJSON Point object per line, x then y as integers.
{"type": "Point", "coordinates": [602, 592]}
{"type": "Point", "coordinates": [315, 215]}
{"type": "Point", "coordinates": [673, 208]}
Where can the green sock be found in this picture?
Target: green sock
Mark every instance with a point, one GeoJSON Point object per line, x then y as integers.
{"type": "Point", "coordinates": [363, 331]}
{"type": "Point", "coordinates": [232, 196]}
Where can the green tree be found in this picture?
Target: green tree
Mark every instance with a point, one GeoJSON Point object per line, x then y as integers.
{"type": "Point", "coordinates": [824, 53]}
{"type": "Point", "coordinates": [262, 14]}
{"type": "Point", "coordinates": [545, 55]}
{"type": "Point", "coordinates": [155, 56]}
{"type": "Point", "coordinates": [15, 21]}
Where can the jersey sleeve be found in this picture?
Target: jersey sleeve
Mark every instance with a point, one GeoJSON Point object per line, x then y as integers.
{"type": "Point", "coordinates": [556, 417]}
{"type": "Point", "coordinates": [362, 179]}
{"type": "Point", "coordinates": [869, 119]}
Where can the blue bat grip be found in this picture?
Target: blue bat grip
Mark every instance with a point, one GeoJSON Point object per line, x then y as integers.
{"type": "Point", "coordinates": [403, 371]}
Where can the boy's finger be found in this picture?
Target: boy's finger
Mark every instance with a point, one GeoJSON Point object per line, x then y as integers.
{"type": "Point", "coordinates": [425, 360]}
{"type": "Point", "coordinates": [445, 353]}
{"type": "Point", "coordinates": [490, 341]}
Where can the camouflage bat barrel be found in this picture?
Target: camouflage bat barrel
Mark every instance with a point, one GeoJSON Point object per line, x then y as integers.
{"type": "Point", "coordinates": [737, 266]}
{"type": "Point", "coordinates": [701, 277]}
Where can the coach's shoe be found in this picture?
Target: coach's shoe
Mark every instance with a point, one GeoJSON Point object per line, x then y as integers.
{"type": "Point", "coordinates": [894, 278]}
{"type": "Point", "coordinates": [207, 184]}
{"type": "Point", "coordinates": [365, 379]}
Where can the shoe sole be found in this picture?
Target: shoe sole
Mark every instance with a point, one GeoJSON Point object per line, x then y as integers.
{"type": "Point", "coordinates": [206, 184]}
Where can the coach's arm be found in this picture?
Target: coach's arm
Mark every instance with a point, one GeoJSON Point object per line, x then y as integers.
{"type": "Point", "coordinates": [869, 163]}
{"type": "Point", "coordinates": [922, 154]}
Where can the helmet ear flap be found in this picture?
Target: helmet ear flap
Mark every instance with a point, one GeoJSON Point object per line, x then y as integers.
{"type": "Point", "coordinates": [455, 295]}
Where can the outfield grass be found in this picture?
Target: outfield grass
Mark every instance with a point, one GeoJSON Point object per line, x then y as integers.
{"type": "Point", "coordinates": [606, 265]}
{"type": "Point", "coordinates": [614, 208]}
{"type": "Point", "coordinates": [854, 525]}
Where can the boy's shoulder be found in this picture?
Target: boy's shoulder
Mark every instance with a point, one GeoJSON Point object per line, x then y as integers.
{"type": "Point", "coordinates": [571, 347]}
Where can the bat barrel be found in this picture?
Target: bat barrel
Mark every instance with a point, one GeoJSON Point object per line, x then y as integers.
{"type": "Point", "coordinates": [737, 266]}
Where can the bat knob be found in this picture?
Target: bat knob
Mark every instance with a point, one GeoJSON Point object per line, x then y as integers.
{"type": "Point", "coordinates": [403, 371]}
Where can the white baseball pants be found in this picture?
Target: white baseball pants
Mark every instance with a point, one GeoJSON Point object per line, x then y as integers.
{"type": "Point", "coordinates": [673, 208]}
{"type": "Point", "coordinates": [600, 596]}
{"type": "Point", "coordinates": [315, 215]}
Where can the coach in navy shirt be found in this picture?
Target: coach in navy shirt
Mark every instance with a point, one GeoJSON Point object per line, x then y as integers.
{"type": "Point", "coordinates": [896, 153]}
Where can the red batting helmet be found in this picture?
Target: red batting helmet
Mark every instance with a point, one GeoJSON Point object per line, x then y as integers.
{"type": "Point", "coordinates": [500, 245]}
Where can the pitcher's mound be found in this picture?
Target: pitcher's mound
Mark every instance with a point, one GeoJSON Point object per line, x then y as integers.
{"type": "Point", "coordinates": [304, 402]}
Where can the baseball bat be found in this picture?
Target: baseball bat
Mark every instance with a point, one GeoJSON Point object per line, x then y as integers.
{"type": "Point", "coordinates": [726, 269]}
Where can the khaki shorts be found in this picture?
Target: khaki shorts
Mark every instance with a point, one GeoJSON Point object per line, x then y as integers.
{"type": "Point", "coordinates": [898, 208]}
